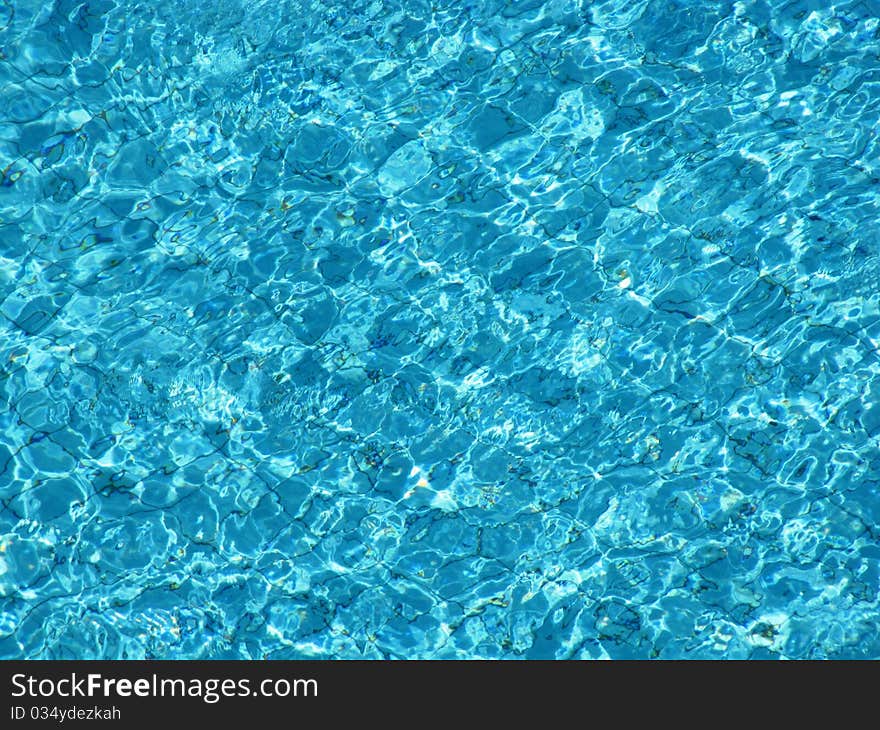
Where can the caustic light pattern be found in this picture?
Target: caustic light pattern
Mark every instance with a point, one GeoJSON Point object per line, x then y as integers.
{"type": "Point", "coordinates": [488, 329]}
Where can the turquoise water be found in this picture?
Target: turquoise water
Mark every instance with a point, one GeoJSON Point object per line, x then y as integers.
{"type": "Point", "coordinates": [439, 329]}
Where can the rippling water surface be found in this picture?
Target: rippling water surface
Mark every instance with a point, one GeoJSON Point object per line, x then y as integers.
{"type": "Point", "coordinates": [439, 329]}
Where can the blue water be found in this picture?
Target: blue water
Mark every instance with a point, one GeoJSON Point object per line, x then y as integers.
{"type": "Point", "coordinates": [376, 329]}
